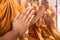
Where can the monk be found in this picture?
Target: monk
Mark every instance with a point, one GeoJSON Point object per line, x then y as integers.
{"type": "Point", "coordinates": [13, 24]}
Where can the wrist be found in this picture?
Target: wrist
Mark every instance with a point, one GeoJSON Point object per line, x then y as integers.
{"type": "Point", "coordinates": [16, 32]}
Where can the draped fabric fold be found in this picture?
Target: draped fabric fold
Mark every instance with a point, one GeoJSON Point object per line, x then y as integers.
{"type": "Point", "coordinates": [8, 10]}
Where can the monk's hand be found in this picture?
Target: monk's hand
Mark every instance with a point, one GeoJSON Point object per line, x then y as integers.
{"type": "Point", "coordinates": [23, 21]}
{"type": "Point", "coordinates": [39, 14]}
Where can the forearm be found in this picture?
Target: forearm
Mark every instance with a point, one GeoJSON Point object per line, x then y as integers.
{"type": "Point", "coordinates": [12, 35]}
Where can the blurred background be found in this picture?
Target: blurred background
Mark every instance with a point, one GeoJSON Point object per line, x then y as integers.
{"type": "Point", "coordinates": [52, 3]}
{"type": "Point", "coordinates": [58, 15]}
